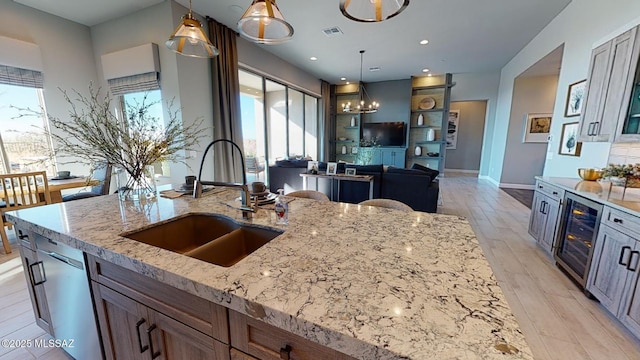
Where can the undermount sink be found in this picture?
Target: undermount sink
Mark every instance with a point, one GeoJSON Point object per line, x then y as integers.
{"type": "Point", "coordinates": [211, 238]}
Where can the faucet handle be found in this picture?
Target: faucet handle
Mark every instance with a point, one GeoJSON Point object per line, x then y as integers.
{"type": "Point", "coordinates": [197, 189]}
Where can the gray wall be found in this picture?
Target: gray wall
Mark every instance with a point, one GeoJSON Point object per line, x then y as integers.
{"type": "Point", "coordinates": [523, 161]}
{"type": "Point", "coordinates": [394, 98]}
{"type": "Point", "coordinates": [466, 155]}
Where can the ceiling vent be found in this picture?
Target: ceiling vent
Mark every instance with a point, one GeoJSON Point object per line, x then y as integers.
{"type": "Point", "coordinates": [374, 68]}
{"type": "Point", "coordinates": [332, 31]}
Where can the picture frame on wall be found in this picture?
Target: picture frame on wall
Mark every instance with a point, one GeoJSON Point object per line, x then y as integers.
{"type": "Point", "coordinates": [575, 99]}
{"type": "Point", "coordinates": [536, 128]}
{"type": "Point", "coordinates": [453, 126]}
{"type": "Point", "coordinates": [569, 144]}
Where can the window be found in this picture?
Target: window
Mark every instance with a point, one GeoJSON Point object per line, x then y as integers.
{"type": "Point", "coordinates": [153, 97]}
{"type": "Point", "coordinates": [278, 121]}
{"type": "Point", "coordinates": [24, 144]}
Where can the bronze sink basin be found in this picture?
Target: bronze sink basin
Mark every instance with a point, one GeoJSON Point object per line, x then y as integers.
{"type": "Point", "coordinates": [234, 246]}
{"type": "Point", "coordinates": [212, 238]}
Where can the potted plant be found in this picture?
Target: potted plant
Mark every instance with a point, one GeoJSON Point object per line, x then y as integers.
{"type": "Point", "coordinates": [623, 174]}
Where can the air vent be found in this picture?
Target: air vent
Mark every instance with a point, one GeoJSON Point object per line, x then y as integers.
{"type": "Point", "coordinates": [374, 68]}
{"type": "Point", "coordinates": [332, 31]}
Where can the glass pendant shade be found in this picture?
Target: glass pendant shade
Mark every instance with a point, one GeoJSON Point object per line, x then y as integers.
{"type": "Point", "coordinates": [190, 40]}
{"type": "Point", "coordinates": [263, 23]}
{"type": "Point", "coordinates": [372, 10]}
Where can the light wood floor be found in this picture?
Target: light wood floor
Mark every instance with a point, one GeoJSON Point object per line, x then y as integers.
{"type": "Point", "coordinates": [558, 321]}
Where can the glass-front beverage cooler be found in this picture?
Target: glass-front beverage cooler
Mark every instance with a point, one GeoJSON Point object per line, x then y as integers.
{"type": "Point", "coordinates": [577, 236]}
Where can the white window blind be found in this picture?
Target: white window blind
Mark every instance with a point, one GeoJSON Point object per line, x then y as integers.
{"type": "Point", "coordinates": [134, 69]}
{"type": "Point", "coordinates": [10, 75]}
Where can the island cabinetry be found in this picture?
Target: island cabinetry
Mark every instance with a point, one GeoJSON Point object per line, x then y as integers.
{"type": "Point", "coordinates": [141, 316]}
{"type": "Point", "coordinates": [547, 201]}
{"type": "Point", "coordinates": [36, 277]}
{"type": "Point", "coordinates": [266, 342]}
{"type": "Point", "coordinates": [613, 278]}
{"type": "Point", "coordinates": [608, 86]}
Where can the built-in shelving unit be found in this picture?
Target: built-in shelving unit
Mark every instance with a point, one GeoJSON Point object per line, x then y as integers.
{"type": "Point", "coordinates": [342, 94]}
{"type": "Point", "coordinates": [431, 98]}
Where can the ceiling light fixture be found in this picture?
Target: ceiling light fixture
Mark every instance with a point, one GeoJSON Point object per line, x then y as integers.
{"type": "Point", "coordinates": [424, 42]}
{"type": "Point", "coordinates": [362, 107]}
{"type": "Point", "coordinates": [263, 23]}
{"type": "Point", "coordinates": [190, 40]}
{"type": "Point", "coordinates": [343, 78]}
{"type": "Point", "coordinates": [425, 70]}
{"type": "Point", "coordinates": [313, 58]}
{"type": "Point", "coordinates": [372, 10]}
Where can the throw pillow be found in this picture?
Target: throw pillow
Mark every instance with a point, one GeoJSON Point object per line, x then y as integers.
{"type": "Point", "coordinates": [431, 172]}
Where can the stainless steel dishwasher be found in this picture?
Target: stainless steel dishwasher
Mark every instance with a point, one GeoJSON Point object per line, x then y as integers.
{"type": "Point", "coordinates": [68, 297]}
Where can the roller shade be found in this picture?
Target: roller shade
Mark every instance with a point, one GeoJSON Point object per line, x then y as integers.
{"type": "Point", "coordinates": [10, 75]}
{"type": "Point", "coordinates": [132, 70]}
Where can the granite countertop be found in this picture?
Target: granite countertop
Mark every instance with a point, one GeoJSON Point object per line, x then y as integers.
{"type": "Point", "coordinates": [369, 282]}
{"type": "Point", "coordinates": [627, 200]}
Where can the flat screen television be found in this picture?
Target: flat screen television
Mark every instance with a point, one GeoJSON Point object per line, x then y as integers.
{"type": "Point", "coordinates": [385, 133]}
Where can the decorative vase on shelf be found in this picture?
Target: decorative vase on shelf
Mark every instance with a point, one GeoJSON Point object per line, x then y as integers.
{"type": "Point", "coordinates": [431, 134]}
{"type": "Point", "coordinates": [353, 121]}
{"type": "Point", "coordinates": [420, 120]}
{"type": "Point", "coordinates": [139, 185]}
{"type": "Point", "coordinates": [417, 151]}
{"type": "Point", "coordinates": [344, 149]}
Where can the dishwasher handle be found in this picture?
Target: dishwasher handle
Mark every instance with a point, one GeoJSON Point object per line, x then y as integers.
{"type": "Point", "coordinates": [64, 259]}
{"type": "Point", "coordinates": [43, 275]}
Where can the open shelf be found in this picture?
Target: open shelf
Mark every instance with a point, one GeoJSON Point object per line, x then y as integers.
{"type": "Point", "coordinates": [430, 142]}
{"type": "Point", "coordinates": [426, 157]}
{"type": "Point", "coordinates": [427, 110]}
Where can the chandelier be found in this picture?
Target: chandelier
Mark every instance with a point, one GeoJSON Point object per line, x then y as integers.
{"type": "Point", "coordinates": [361, 107]}
{"type": "Point", "coordinates": [190, 40]}
{"type": "Point", "coordinates": [372, 10]}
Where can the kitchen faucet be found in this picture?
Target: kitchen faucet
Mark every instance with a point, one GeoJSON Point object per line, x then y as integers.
{"type": "Point", "coordinates": [245, 196]}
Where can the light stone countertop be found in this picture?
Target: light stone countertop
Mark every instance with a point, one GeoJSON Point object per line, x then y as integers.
{"type": "Point", "coordinates": [627, 200]}
{"type": "Point", "coordinates": [369, 282]}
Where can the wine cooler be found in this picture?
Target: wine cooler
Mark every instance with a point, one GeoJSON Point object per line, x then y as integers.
{"type": "Point", "coordinates": [577, 235]}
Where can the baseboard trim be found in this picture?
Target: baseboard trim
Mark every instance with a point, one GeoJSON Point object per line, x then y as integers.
{"type": "Point", "coordinates": [463, 171]}
{"type": "Point", "coordinates": [489, 179]}
{"type": "Point", "coordinates": [517, 186]}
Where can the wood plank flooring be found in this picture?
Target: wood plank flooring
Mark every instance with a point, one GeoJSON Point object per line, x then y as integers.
{"type": "Point", "coordinates": [558, 321]}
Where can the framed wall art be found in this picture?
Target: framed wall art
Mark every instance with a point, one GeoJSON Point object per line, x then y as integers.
{"type": "Point", "coordinates": [536, 128]}
{"type": "Point", "coordinates": [575, 98]}
{"type": "Point", "coordinates": [569, 144]}
{"type": "Point", "coordinates": [453, 126]}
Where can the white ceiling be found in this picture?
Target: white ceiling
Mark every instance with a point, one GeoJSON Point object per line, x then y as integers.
{"type": "Point", "coordinates": [464, 35]}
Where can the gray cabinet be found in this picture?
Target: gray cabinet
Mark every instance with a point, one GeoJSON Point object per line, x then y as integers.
{"type": "Point", "coordinates": [607, 87]}
{"type": "Point", "coordinates": [615, 268]}
{"type": "Point", "coordinates": [393, 156]}
{"type": "Point", "coordinates": [544, 214]}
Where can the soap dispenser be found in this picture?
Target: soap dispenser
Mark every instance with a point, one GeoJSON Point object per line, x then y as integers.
{"type": "Point", "coordinates": [282, 209]}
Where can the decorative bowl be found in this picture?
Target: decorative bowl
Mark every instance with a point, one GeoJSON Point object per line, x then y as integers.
{"type": "Point", "coordinates": [342, 138]}
{"type": "Point", "coordinates": [589, 174]}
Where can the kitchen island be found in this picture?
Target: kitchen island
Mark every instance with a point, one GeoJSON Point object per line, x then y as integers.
{"type": "Point", "coordinates": [368, 282]}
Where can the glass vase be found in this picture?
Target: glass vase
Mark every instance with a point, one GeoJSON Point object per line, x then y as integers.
{"type": "Point", "coordinates": [138, 186]}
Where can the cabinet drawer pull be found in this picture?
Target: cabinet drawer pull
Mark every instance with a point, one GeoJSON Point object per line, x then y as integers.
{"type": "Point", "coordinates": [285, 352]}
{"type": "Point", "coordinates": [540, 187]}
{"type": "Point", "coordinates": [616, 220]}
{"type": "Point", "coordinates": [632, 269]}
{"type": "Point", "coordinates": [22, 236]}
{"type": "Point", "coordinates": [555, 193]}
{"type": "Point", "coordinates": [149, 331]}
{"type": "Point", "coordinates": [43, 275]}
{"type": "Point", "coordinates": [624, 248]}
{"type": "Point", "coordinates": [596, 127]}
{"type": "Point", "coordinates": [142, 348]}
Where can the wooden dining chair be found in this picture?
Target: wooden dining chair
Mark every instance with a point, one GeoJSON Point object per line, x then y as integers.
{"type": "Point", "coordinates": [309, 194]}
{"type": "Point", "coordinates": [19, 191]}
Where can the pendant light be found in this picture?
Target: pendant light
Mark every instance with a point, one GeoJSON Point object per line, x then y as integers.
{"type": "Point", "coordinates": [190, 40]}
{"type": "Point", "coordinates": [263, 23]}
{"type": "Point", "coordinates": [372, 10]}
{"type": "Point", "coordinates": [362, 107]}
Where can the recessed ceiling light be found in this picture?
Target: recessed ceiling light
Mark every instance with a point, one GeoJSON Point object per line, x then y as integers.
{"type": "Point", "coordinates": [425, 70]}
{"type": "Point", "coordinates": [343, 78]}
{"type": "Point", "coordinates": [348, 83]}
{"type": "Point", "coordinates": [313, 58]}
{"type": "Point", "coordinates": [424, 42]}
{"type": "Point", "coordinates": [429, 75]}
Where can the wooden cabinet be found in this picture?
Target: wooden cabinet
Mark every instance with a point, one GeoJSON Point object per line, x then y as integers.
{"type": "Point", "coordinates": [266, 342]}
{"type": "Point", "coordinates": [615, 268]}
{"type": "Point", "coordinates": [607, 88]}
{"type": "Point", "coordinates": [36, 277]}
{"type": "Point", "coordinates": [545, 210]}
{"type": "Point", "coordinates": [140, 318]}
{"type": "Point", "coordinates": [430, 101]}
